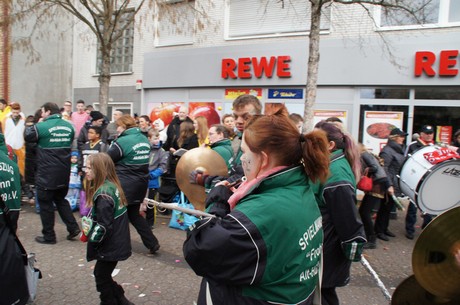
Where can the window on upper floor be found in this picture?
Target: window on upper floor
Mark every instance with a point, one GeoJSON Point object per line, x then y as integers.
{"type": "Point", "coordinates": [122, 51]}
{"type": "Point", "coordinates": [262, 18]}
{"type": "Point", "coordinates": [175, 22]}
{"type": "Point", "coordinates": [424, 13]}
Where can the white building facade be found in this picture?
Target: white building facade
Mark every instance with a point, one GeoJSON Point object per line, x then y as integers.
{"type": "Point", "coordinates": [375, 73]}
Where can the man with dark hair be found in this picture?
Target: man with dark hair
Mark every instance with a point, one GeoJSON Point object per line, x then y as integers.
{"type": "Point", "coordinates": [79, 117]}
{"type": "Point", "coordinates": [244, 107]}
{"type": "Point", "coordinates": [96, 119]}
{"type": "Point", "coordinates": [54, 137]}
{"type": "Point", "coordinates": [68, 107]}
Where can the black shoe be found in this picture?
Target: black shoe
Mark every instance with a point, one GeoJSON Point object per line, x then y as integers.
{"type": "Point", "coordinates": [382, 237]}
{"type": "Point", "coordinates": [410, 235]}
{"type": "Point", "coordinates": [370, 245]}
{"type": "Point", "coordinates": [389, 233]}
{"type": "Point", "coordinates": [42, 240]}
{"type": "Point", "coordinates": [72, 235]}
{"type": "Point", "coordinates": [154, 249]}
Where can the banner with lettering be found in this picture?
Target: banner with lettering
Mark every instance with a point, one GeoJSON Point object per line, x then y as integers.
{"type": "Point", "coordinates": [319, 115]}
{"type": "Point", "coordinates": [285, 93]}
{"type": "Point", "coordinates": [231, 94]}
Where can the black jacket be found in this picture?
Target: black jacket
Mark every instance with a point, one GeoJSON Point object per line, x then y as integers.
{"type": "Point", "coordinates": [173, 132]}
{"type": "Point", "coordinates": [54, 138]}
{"type": "Point", "coordinates": [83, 136]}
{"type": "Point", "coordinates": [393, 158]}
{"type": "Point", "coordinates": [116, 242]}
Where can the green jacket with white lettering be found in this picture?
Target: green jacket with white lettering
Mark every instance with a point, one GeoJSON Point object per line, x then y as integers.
{"type": "Point", "coordinates": [54, 138]}
{"type": "Point", "coordinates": [10, 183]}
{"type": "Point", "coordinates": [130, 153]}
{"type": "Point", "coordinates": [266, 250]}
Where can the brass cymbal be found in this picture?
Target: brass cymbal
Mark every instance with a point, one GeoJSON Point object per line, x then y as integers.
{"type": "Point", "coordinates": [210, 162]}
{"type": "Point", "coordinates": [409, 292]}
{"type": "Point", "coordinates": [436, 256]}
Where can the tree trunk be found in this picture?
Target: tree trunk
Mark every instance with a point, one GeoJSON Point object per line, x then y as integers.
{"type": "Point", "coordinates": [313, 64]}
{"type": "Point", "coordinates": [104, 81]}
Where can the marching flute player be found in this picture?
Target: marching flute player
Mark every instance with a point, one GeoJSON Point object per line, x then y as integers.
{"type": "Point", "coordinates": [265, 244]}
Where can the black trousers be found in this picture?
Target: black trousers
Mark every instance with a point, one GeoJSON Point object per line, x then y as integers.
{"type": "Point", "coordinates": [106, 286]}
{"type": "Point", "coordinates": [383, 216]}
{"type": "Point", "coordinates": [329, 296]}
{"type": "Point", "coordinates": [365, 211]}
{"type": "Point", "coordinates": [140, 224]}
{"type": "Point", "coordinates": [48, 199]}
{"type": "Point", "coordinates": [150, 213]}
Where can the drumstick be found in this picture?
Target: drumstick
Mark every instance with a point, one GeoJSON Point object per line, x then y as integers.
{"type": "Point", "coordinates": [399, 206]}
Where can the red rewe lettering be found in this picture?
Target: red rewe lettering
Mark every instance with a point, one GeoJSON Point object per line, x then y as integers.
{"type": "Point", "coordinates": [447, 60]}
{"type": "Point", "coordinates": [244, 67]}
{"type": "Point", "coordinates": [228, 68]}
{"type": "Point", "coordinates": [282, 69]}
{"type": "Point", "coordinates": [263, 66]}
{"type": "Point", "coordinates": [424, 63]}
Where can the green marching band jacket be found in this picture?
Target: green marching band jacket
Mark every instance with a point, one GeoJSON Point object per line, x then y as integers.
{"type": "Point", "coordinates": [108, 238]}
{"type": "Point", "coordinates": [130, 153]}
{"type": "Point", "coordinates": [266, 251]}
{"type": "Point", "coordinates": [10, 183]}
{"type": "Point", "coordinates": [54, 138]}
{"type": "Point", "coordinates": [344, 236]}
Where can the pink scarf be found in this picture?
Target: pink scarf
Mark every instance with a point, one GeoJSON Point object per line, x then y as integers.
{"type": "Point", "coordinates": [247, 186]}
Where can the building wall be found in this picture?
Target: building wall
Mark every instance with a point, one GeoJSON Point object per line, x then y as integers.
{"type": "Point", "coordinates": [354, 55]}
{"type": "Point", "coordinates": [48, 79]}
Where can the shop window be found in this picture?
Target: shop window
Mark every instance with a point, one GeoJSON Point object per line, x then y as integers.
{"type": "Point", "coordinates": [384, 93]}
{"type": "Point", "coordinates": [437, 94]}
{"type": "Point", "coordinates": [446, 117]}
{"type": "Point", "coordinates": [425, 13]}
{"type": "Point", "coordinates": [122, 51]}
{"type": "Point", "coordinates": [175, 23]}
{"type": "Point", "coordinates": [271, 18]}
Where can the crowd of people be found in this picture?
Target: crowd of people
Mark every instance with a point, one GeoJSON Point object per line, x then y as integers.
{"type": "Point", "coordinates": [286, 231]}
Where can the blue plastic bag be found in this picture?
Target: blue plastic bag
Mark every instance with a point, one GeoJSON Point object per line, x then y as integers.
{"type": "Point", "coordinates": [180, 220]}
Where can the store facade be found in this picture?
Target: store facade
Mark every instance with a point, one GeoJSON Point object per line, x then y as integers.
{"type": "Point", "coordinates": [370, 89]}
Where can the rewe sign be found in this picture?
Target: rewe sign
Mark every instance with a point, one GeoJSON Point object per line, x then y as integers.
{"type": "Point", "coordinates": [443, 64]}
{"type": "Point", "coordinates": [248, 67]}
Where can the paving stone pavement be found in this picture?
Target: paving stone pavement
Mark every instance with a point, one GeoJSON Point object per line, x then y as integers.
{"type": "Point", "coordinates": [166, 279]}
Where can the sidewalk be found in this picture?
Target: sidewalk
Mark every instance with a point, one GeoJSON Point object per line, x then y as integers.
{"type": "Point", "coordinates": [166, 279]}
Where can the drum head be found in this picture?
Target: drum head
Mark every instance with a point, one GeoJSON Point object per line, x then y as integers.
{"type": "Point", "coordinates": [439, 189]}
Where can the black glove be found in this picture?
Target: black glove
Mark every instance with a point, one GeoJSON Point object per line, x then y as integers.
{"type": "Point", "coordinates": [219, 198]}
{"type": "Point", "coordinates": [198, 177]}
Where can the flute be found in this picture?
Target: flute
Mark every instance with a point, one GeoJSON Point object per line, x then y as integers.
{"type": "Point", "coordinates": [173, 206]}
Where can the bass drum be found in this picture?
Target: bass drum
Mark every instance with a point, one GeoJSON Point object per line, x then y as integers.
{"type": "Point", "coordinates": [434, 188]}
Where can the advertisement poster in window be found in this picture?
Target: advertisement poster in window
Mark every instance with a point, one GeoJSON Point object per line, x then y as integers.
{"type": "Point", "coordinates": [161, 114]}
{"type": "Point", "coordinates": [444, 134]}
{"type": "Point", "coordinates": [377, 128]}
{"type": "Point", "coordinates": [319, 115]}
